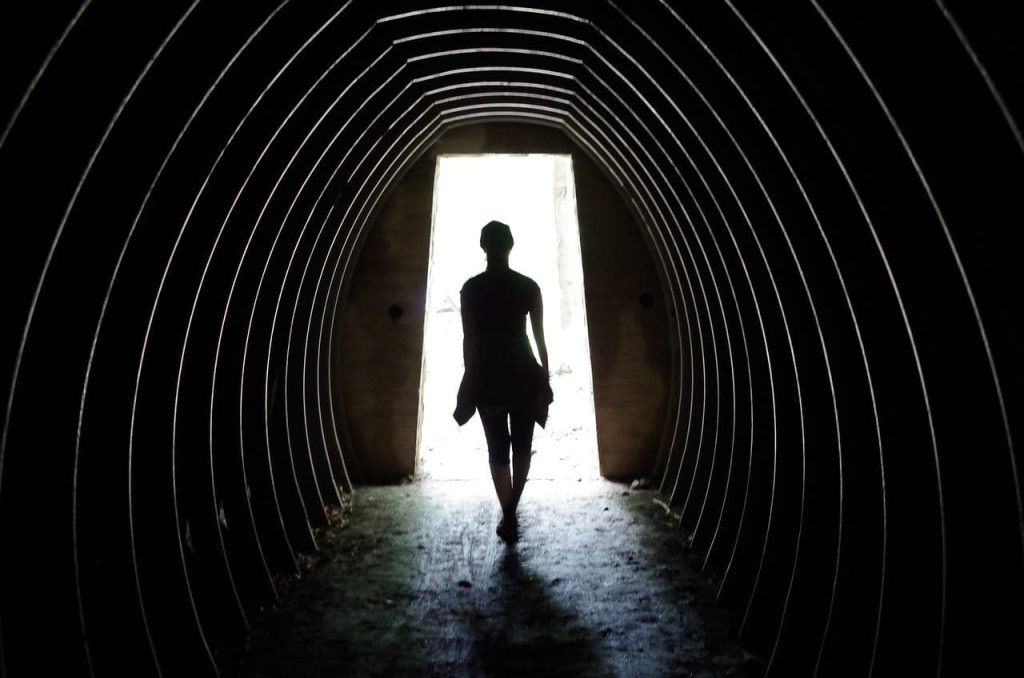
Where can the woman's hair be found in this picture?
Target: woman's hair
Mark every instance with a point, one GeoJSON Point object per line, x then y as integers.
{"type": "Point", "coordinates": [496, 237]}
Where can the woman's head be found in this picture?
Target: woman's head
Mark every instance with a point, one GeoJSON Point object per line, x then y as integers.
{"type": "Point", "coordinates": [496, 238]}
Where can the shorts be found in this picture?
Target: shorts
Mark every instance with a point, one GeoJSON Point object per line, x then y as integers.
{"type": "Point", "coordinates": [505, 428]}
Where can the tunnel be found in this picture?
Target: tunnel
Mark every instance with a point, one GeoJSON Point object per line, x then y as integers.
{"type": "Point", "coordinates": [811, 211]}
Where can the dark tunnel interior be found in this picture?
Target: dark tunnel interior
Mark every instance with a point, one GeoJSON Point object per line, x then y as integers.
{"type": "Point", "coordinates": [829, 193]}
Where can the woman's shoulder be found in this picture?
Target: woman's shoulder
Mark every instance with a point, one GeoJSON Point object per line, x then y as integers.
{"type": "Point", "coordinates": [473, 283]}
{"type": "Point", "coordinates": [524, 282]}
{"type": "Point", "coordinates": [507, 281]}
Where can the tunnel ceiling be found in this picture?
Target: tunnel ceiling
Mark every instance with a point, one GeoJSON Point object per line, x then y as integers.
{"type": "Point", "coordinates": [830, 193]}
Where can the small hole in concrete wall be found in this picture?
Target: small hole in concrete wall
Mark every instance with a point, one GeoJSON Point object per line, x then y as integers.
{"type": "Point", "coordinates": [647, 300]}
{"type": "Point", "coordinates": [395, 311]}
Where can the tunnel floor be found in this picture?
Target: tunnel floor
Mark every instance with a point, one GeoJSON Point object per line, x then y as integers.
{"type": "Point", "coordinates": [415, 582]}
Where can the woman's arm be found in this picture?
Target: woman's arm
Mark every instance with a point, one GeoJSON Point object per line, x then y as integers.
{"type": "Point", "coordinates": [537, 322]}
{"type": "Point", "coordinates": [467, 335]}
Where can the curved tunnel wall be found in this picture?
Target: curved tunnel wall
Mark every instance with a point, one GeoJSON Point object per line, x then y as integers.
{"type": "Point", "coordinates": [379, 359]}
{"type": "Point", "coordinates": [830, 194]}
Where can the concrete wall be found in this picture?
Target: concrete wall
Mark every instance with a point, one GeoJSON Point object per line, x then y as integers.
{"type": "Point", "coordinates": [379, 357]}
{"type": "Point", "coordinates": [380, 346]}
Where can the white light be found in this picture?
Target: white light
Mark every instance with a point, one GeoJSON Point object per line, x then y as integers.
{"type": "Point", "coordinates": [535, 195]}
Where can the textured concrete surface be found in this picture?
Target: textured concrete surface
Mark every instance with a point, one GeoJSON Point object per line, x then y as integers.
{"type": "Point", "coordinates": [417, 583]}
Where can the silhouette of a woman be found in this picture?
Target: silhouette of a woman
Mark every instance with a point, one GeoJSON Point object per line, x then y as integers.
{"type": "Point", "coordinates": [503, 381]}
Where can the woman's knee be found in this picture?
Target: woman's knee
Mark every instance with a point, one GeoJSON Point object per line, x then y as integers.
{"type": "Point", "coordinates": [522, 440]}
{"type": "Point", "coordinates": [522, 448]}
{"type": "Point", "coordinates": [521, 455]}
{"type": "Point", "coordinates": [497, 455]}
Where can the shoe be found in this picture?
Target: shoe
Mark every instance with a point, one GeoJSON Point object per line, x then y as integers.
{"type": "Point", "coordinates": [508, 529]}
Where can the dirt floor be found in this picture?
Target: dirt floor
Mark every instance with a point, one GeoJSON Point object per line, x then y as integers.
{"type": "Point", "coordinates": [416, 582]}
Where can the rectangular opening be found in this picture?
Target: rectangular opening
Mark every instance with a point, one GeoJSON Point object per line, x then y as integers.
{"type": "Point", "coordinates": [535, 195]}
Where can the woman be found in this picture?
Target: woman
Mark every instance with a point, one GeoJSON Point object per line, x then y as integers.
{"type": "Point", "coordinates": [503, 381]}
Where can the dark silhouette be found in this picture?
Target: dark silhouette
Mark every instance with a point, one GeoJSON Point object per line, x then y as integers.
{"type": "Point", "coordinates": [503, 381]}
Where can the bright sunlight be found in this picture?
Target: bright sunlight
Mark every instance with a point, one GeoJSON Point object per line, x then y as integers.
{"type": "Point", "coordinates": [535, 195]}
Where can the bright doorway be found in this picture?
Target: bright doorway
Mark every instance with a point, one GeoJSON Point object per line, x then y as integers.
{"type": "Point", "coordinates": [535, 195]}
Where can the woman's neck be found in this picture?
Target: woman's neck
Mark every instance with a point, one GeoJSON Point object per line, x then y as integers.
{"type": "Point", "coordinates": [497, 263]}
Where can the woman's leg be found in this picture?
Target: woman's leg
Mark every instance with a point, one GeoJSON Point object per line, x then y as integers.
{"type": "Point", "coordinates": [521, 438]}
{"type": "Point", "coordinates": [498, 438]}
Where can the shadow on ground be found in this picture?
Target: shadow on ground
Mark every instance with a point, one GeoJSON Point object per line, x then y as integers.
{"type": "Point", "coordinates": [521, 629]}
{"type": "Point", "coordinates": [417, 583]}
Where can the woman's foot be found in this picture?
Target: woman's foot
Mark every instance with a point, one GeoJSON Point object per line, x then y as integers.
{"type": "Point", "coordinates": [508, 529]}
